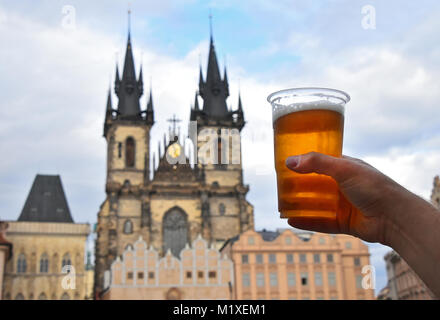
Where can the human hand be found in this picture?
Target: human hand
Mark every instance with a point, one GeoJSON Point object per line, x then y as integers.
{"type": "Point", "coordinates": [369, 201]}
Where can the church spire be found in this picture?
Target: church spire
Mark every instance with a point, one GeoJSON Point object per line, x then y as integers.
{"type": "Point", "coordinates": [196, 102]}
{"type": "Point", "coordinates": [214, 90]}
{"type": "Point", "coordinates": [108, 112]}
{"type": "Point", "coordinates": [128, 89]}
{"type": "Point", "coordinates": [149, 117]}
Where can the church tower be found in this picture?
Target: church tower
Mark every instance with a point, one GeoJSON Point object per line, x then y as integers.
{"type": "Point", "coordinates": [219, 155]}
{"type": "Point", "coordinates": [127, 132]}
{"type": "Point", "coordinates": [174, 201]}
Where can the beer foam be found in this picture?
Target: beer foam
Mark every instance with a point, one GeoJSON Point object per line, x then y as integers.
{"type": "Point", "coordinates": [280, 110]}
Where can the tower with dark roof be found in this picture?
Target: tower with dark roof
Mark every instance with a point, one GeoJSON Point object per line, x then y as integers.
{"type": "Point", "coordinates": [46, 201]}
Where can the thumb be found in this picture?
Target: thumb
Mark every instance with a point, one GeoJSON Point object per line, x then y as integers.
{"type": "Point", "coordinates": [337, 168]}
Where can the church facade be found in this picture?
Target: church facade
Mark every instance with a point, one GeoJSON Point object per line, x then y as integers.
{"type": "Point", "coordinates": [194, 187]}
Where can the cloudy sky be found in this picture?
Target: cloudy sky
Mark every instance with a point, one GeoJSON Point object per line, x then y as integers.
{"type": "Point", "coordinates": [58, 59]}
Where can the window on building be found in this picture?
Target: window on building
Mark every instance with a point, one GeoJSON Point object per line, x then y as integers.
{"type": "Point", "coordinates": [44, 263]}
{"type": "Point", "coordinates": [200, 274]}
{"type": "Point", "coordinates": [211, 274]}
{"type": "Point", "coordinates": [188, 274]}
{"type": "Point", "coordinates": [246, 280]}
{"type": "Point", "coordinates": [129, 275]}
{"type": "Point", "coordinates": [65, 296]}
{"type": "Point", "coordinates": [260, 279]}
{"type": "Point", "coordinates": [302, 258]}
{"type": "Point", "coordinates": [42, 296]}
{"type": "Point", "coordinates": [316, 258]}
{"type": "Point", "coordinates": [331, 279]}
{"type": "Point", "coordinates": [259, 258]}
{"type": "Point", "coordinates": [66, 262]}
{"type": "Point", "coordinates": [304, 278]}
{"type": "Point", "coordinates": [272, 258]}
{"type": "Point", "coordinates": [318, 278]}
{"type": "Point", "coordinates": [321, 240]}
{"type": "Point", "coordinates": [251, 241]}
{"type": "Point", "coordinates": [21, 263]}
{"type": "Point", "coordinates": [330, 258]}
{"type": "Point", "coordinates": [291, 281]}
{"type": "Point", "coordinates": [244, 259]}
{"type": "Point", "coordinates": [359, 281]}
{"type": "Point", "coordinates": [273, 279]}
{"type": "Point", "coordinates": [151, 275]}
{"type": "Point", "coordinates": [348, 245]}
{"type": "Point", "coordinates": [119, 149]}
{"type": "Point", "coordinates": [333, 298]}
{"type": "Point", "coordinates": [221, 209]}
{"type": "Point", "coordinates": [357, 261]}
{"type": "Point", "coordinates": [288, 240]}
{"type": "Point", "coordinates": [129, 152]}
{"type": "Point", "coordinates": [19, 296]}
{"type": "Point", "coordinates": [140, 275]}
{"type": "Point", "coordinates": [128, 227]}
{"type": "Point", "coordinates": [289, 258]}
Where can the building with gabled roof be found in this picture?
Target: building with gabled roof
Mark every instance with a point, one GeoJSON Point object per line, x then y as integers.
{"type": "Point", "coordinates": [48, 246]}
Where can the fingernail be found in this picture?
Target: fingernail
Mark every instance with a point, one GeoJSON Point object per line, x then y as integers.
{"type": "Point", "coordinates": [292, 162]}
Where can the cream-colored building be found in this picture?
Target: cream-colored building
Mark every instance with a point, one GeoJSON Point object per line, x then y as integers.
{"type": "Point", "coordinates": [5, 252]}
{"type": "Point", "coordinates": [403, 282]}
{"type": "Point", "coordinates": [288, 265]}
{"type": "Point", "coordinates": [49, 248]}
{"type": "Point", "coordinates": [200, 273]}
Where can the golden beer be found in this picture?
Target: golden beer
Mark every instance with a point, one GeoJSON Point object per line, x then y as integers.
{"type": "Point", "coordinates": [311, 120]}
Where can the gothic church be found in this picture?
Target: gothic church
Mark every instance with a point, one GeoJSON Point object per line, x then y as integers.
{"type": "Point", "coordinates": [169, 204]}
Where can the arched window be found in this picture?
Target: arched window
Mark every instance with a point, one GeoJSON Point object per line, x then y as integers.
{"type": "Point", "coordinates": [65, 296]}
{"type": "Point", "coordinates": [221, 209]}
{"type": "Point", "coordinates": [19, 296]}
{"type": "Point", "coordinates": [175, 230]}
{"type": "Point", "coordinates": [129, 152]}
{"type": "Point", "coordinates": [44, 263]}
{"type": "Point", "coordinates": [128, 227]}
{"type": "Point", "coordinates": [42, 296]}
{"type": "Point", "coordinates": [21, 263]}
{"type": "Point", "coordinates": [66, 262]}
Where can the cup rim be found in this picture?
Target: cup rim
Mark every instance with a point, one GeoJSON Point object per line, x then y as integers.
{"type": "Point", "coordinates": [340, 94]}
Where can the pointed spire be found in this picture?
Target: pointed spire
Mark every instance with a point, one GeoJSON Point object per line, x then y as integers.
{"type": "Point", "coordinates": [149, 117]}
{"type": "Point", "coordinates": [225, 82]}
{"type": "Point", "coordinates": [129, 90]}
{"type": "Point", "coordinates": [240, 107]}
{"type": "Point", "coordinates": [109, 101]}
{"type": "Point", "coordinates": [117, 80]}
{"type": "Point", "coordinates": [201, 82]}
{"type": "Point", "coordinates": [108, 112]}
{"type": "Point", "coordinates": [140, 83]}
{"type": "Point", "coordinates": [196, 102]}
{"type": "Point", "coordinates": [213, 90]}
